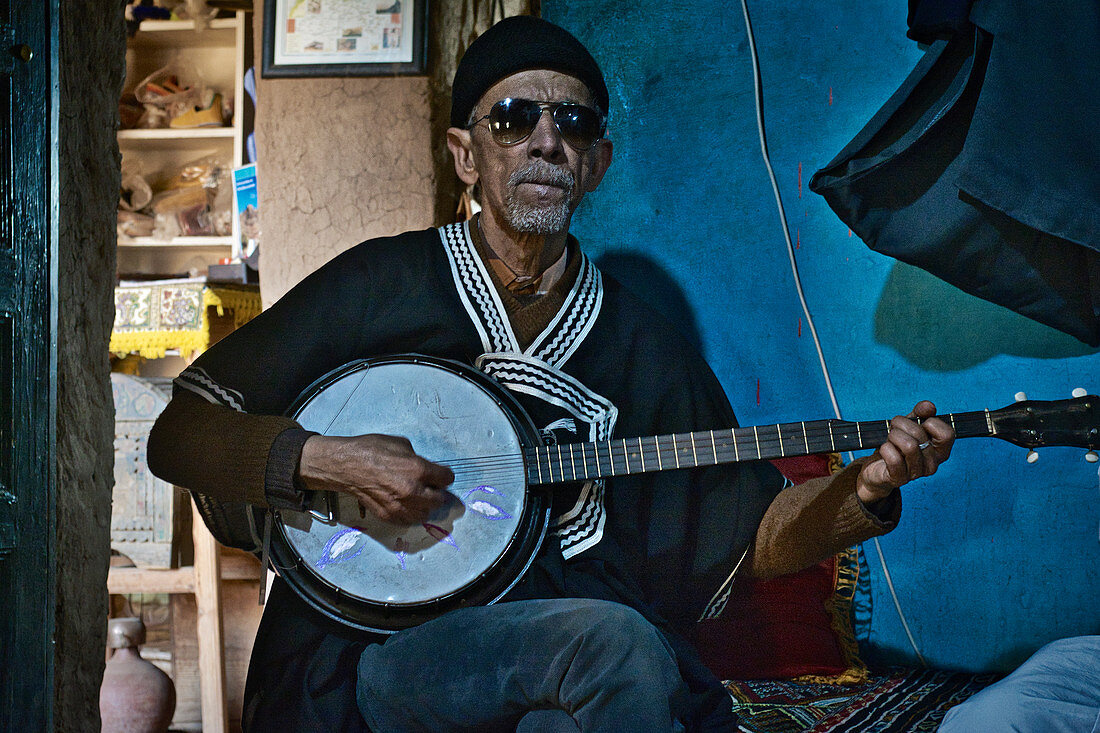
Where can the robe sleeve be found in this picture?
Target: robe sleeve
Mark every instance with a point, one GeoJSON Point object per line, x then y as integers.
{"type": "Point", "coordinates": [228, 455]}
{"type": "Point", "coordinates": [224, 433]}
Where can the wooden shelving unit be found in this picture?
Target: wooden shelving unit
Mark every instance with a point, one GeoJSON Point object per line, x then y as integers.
{"type": "Point", "coordinates": [216, 54]}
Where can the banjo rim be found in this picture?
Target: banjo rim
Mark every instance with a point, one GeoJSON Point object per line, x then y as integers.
{"type": "Point", "coordinates": [499, 577]}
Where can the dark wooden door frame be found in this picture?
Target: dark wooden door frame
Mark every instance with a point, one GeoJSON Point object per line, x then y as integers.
{"type": "Point", "coordinates": [28, 372]}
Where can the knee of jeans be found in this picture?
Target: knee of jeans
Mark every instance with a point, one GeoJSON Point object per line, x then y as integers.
{"type": "Point", "coordinates": [618, 626]}
{"type": "Point", "coordinates": [589, 613]}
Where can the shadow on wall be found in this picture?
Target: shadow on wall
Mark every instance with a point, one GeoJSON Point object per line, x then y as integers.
{"type": "Point", "coordinates": [650, 282]}
{"type": "Point", "coordinates": [939, 328]}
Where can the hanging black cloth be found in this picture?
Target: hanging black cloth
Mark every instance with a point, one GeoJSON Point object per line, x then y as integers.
{"type": "Point", "coordinates": [930, 20]}
{"type": "Point", "coordinates": [984, 167]}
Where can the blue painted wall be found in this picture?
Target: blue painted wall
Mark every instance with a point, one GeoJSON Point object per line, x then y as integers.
{"type": "Point", "coordinates": [994, 557]}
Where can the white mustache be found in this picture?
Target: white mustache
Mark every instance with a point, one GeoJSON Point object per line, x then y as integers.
{"type": "Point", "coordinates": [543, 174]}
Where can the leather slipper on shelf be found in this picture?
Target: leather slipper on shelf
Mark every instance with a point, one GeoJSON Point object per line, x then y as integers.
{"type": "Point", "coordinates": [201, 117]}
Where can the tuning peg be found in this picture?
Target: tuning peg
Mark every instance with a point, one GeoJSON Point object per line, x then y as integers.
{"type": "Point", "coordinates": [1020, 396]}
{"type": "Point", "coordinates": [1032, 456]}
{"type": "Point", "coordinates": [1079, 392]}
{"type": "Point", "coordinates": [1091, 457]}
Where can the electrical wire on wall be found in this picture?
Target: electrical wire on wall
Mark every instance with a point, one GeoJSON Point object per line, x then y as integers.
{"type": "Point", "coordinates": [759, 96]}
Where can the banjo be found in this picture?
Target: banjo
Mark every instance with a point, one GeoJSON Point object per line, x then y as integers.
{"type": "Point", "coordinates": [381, 577]}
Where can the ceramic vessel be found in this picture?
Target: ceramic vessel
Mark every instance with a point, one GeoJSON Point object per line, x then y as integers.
{"type": "Point", "coordinates": [136, 696]}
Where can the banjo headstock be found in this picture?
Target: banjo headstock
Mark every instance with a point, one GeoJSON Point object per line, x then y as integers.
{"type": "Point", "coordinates": [1036, 424]}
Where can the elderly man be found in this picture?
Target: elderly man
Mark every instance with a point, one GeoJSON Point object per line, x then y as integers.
{"type": "Point", "coordinates": [597, 627]}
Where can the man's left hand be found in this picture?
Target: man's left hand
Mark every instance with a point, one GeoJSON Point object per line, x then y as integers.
{"type": "Point", "coordinates": [912, 450]}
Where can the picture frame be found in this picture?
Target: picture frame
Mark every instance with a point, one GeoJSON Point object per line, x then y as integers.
{"type": "Point", "coordinates": [338, 38]}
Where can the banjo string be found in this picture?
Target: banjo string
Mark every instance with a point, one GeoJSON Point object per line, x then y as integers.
{"type": "Point", "coordinates": [727, 447]}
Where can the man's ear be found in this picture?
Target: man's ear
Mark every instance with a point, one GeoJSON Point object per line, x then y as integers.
{"type": "Point", "coordinates": [459, 143]}
{"type": "Point", "coordinates": [599, 160]}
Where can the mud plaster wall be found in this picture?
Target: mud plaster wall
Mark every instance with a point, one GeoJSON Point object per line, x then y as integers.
{"type": "Point", "coordinates": [91, 69]}
{"type": "Point", "coordinates": [344, 160]}
{"type": "Point", "coordinates": [339, 161]}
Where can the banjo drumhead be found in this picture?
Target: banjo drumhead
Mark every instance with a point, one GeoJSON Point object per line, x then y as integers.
{"type": "Point", "coordinates": [382, 576]}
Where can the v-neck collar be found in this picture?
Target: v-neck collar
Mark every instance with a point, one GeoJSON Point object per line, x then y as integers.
{"type": "Point", "coordinates": [566, 329]}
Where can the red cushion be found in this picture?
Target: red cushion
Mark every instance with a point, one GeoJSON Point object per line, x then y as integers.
{"type": "Point", "coordinates": [782, 627]}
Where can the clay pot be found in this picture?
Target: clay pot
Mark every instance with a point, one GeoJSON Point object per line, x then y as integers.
{"type": "Point", "coordinates": [136, 696]}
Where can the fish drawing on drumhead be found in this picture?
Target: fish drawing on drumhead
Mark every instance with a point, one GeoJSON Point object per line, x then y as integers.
{"type": "Point", "coordinates": [483, 506]}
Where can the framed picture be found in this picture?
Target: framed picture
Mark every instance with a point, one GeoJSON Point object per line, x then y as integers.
{"type": "Point", "coordinates": [315, 38]}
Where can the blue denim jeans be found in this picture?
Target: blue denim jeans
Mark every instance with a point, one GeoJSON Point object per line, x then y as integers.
{"type": "Point", "coordinates": [485, 668]}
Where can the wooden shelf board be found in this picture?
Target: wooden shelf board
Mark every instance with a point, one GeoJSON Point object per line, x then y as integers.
{"type": "Point", "coordinates": [125, 580]}
{"type": "Point", "coordinates": [161, 135]}
{"type": "Point", "coordinates": [141, 580]}
{"type": "Point", "coordinates": [177, 242]}
{"type": "Point", "coordinates": [194, 142]}
{"type": "Point", "coordinates": [168, 26]}
{"type": "Point", "coordinates": [173, 33]}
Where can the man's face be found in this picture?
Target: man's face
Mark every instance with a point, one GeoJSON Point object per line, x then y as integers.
{"type": "Point", "coordinates": [535, 185]}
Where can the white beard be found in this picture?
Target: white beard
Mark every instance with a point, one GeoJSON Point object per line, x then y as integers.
{"type": "Point", "coordinates": [533, 219]}
{"type": "Point", "coordinates": [530, 219]}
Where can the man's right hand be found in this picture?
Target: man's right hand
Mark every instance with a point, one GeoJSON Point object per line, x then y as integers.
{"type": "Point", "coordinates": [382, 472]}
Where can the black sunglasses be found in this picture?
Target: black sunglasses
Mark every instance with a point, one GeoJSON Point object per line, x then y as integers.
{"type": "Point", "coordinates": [512, 121]}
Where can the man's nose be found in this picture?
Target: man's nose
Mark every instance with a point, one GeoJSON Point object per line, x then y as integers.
{"type": "Point", "coordinates": [545, 141]}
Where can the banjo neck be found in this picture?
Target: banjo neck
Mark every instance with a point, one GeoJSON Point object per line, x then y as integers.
{"type": "Point", "coordinates": [552, 464]}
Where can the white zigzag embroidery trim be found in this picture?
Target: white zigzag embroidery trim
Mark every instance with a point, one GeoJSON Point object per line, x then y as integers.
{"type": "Point", "coordinates": [598, 412]}
{"type": "Point", "coordinates": [718, 601]}
{"type": "Point", "coordinates": [591, 509]}
{"type": "Point", "coordinates": [566, 331]}
{"type": "Point", "coordinates": [584, 297]}
{"type": "Point", "coordinates": [582, 526]}
{"type": "Point", "coordinates": [591, 538]}
{"type": "Point", "coordinates": [198, 381]}
{"type": "Point", "coordinates": [573, 321]}
{"type": "Point", "coordinates": [476, 291]}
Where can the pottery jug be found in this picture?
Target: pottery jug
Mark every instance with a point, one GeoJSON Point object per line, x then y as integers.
{"type": "Point", "coordinates": [136, 696]}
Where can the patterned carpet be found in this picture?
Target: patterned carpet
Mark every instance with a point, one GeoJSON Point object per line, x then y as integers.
{"type": "Point", "coordinates": [896, 701]}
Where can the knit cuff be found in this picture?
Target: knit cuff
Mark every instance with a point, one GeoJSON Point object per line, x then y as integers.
{"type": "Point", "coordinates": [281, 487]}
{"type": "Point", "coordinates": [885, 512]}
{"type": "Point", "coordinates": [855, 522]}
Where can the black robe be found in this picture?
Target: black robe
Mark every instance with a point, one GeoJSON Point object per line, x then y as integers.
{"type": "Point", "coordinates": [666, 543]}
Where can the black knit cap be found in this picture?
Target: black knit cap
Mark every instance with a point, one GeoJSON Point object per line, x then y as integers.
{"type": "Point", "coordinates": [515, 44]}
